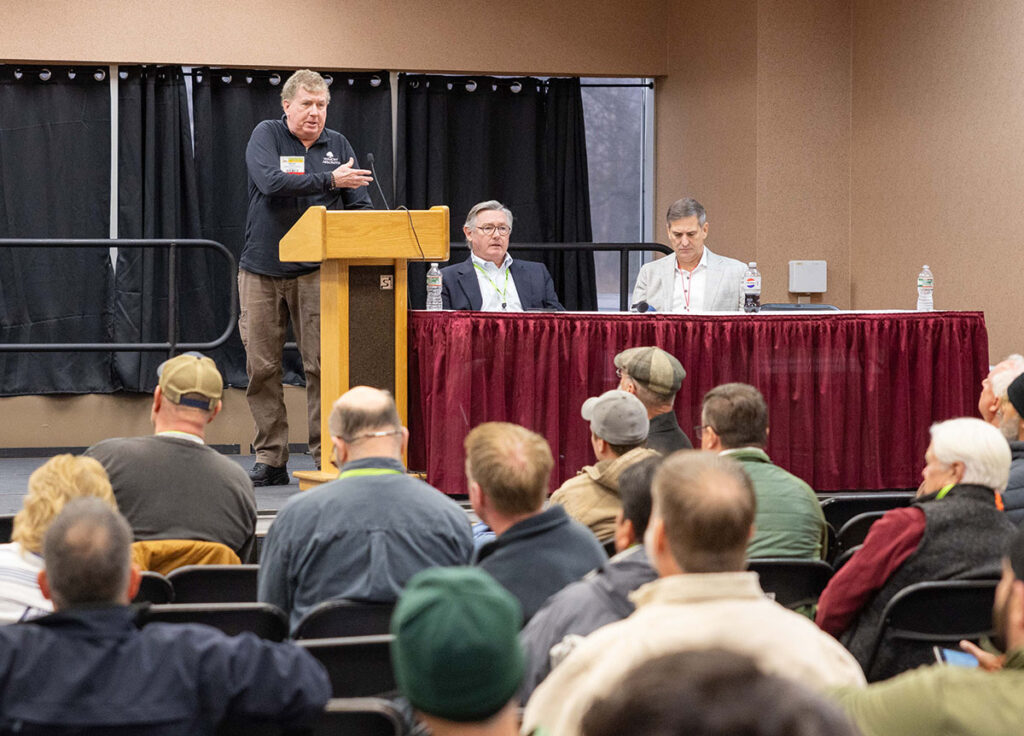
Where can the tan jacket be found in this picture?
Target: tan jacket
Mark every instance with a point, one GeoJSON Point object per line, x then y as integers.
{"type": "Point", "coordinates": [683, 612]}
{"type": "Point", "coordinates": [164, 555]}
{"type": "Point", "coordinates": [591, 497]}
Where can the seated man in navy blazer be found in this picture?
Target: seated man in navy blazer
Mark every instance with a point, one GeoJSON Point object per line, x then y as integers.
{"type": "Point", "coordinates": [490, 280]}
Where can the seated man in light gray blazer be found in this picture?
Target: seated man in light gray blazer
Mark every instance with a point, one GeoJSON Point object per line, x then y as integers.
{"type": "Point", "coordinates": [696, 280]}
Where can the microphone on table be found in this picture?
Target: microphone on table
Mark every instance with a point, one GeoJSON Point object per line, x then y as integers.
{"type": "Point", "coordinates": [376, 179]}
{"type": "Point", "coordinates": [643, 306]}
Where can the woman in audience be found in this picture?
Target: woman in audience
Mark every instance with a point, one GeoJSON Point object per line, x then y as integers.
{"type": "Point", "coordinates": [61, 479]}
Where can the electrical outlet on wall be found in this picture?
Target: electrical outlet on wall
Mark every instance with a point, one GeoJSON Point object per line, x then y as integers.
{"type": "Point", "coordinates": [387, 282]}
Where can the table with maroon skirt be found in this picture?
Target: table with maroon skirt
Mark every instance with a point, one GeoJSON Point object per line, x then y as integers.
{"type": "Point", "coordinates": [850, 394]}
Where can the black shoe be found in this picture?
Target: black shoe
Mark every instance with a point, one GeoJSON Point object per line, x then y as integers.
{"type": "Point", "coordinates": [267, 475]}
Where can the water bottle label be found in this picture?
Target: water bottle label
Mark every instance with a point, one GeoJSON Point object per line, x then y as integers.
{"type": "Point", "coordinates": [925, 283]}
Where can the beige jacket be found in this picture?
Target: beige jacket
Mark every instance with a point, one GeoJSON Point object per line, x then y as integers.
{"type": "Point", "coordinates": [684, 612]}
{"type": "Point", "coordinates": [591, 497]}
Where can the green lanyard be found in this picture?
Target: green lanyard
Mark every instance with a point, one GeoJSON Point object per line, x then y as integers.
{"type": "Point", "coordinates": [501, 292]}
{"type": "Point", "coordinates": [361, 472]}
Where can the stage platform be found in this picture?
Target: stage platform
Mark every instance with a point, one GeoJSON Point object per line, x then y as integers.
{"type": "Point", "coordinates": [14, 473]}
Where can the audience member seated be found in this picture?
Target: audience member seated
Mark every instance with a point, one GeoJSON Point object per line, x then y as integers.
{"type": "Point", "coordinates": [654, 377]}
{"type": "Point", "coordinates": [59, 480]}
{"type": "Point", "coordinates": [455, 652]}
{"type": "Point", "coordinates": [1011, 409]}
{"type": "Point", "coordinates": [490, 280]}
{"type": "Point", "coordinates": [957, 701]}
{"type": "Point", "coordinates": [602, 597]}
{"type": "Point", "coordinates": [618, 436]}
{"type": "Point", "coordinates": [537, 552]}
{"type": "Point", "coordinates": [702, 517]}
{"type": "Point", "coordinates": [365, 534]}
{"type": "Point", "coordinates": [170, 485]}
{"type": "Point", "coordinates": [953, 530]}
{"type": "Point", "coordinates": [88, 669]}
{"type": "Point", "coordinates": [790, 522]}
{"type": "Point", "coordinates": [988, 401]}
{"type": "Point", "coordinates": [711, 693]}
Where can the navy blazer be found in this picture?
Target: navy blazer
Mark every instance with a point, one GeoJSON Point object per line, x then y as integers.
{"type": "Point", "coordinates": [460, 288]}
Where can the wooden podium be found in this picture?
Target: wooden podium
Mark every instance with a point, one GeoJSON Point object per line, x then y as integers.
{"type": "Point", "coordinates": [363, 300]}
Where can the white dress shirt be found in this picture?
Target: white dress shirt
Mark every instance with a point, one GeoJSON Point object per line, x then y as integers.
{"type": "Point", "coordinates": [497, 287]}
{"type": "Point", "coordinates": [691, 286]}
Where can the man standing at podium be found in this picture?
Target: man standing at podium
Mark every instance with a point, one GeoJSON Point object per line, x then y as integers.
{"type": "Point", "coordinates": [293, 163]}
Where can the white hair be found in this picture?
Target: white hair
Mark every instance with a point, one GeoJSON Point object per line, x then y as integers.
{"type": "Point", "coordinates": [490, 204]}
{"type": "Point", "coordinates": [1003, 374]}
{"type": "Point", "coordinates": [978, 445]}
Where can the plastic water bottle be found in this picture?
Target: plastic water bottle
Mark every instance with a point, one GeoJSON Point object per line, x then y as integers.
{"type": "Point", "coordinates": [925, 288]}
{"type": "Point", "coordinates": [752, 288]}
{"type": "Point", "coordinates": [434, 288]}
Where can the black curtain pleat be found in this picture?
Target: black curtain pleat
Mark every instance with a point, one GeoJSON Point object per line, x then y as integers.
{"type": "Point", "coordinates": [462, 140]}
{"type": "Point", "coordinates": [227, 105]}
{"type": "Point", "coordinates": [157, 198]}
{"type": "Point", "coordinates": [54, 183]}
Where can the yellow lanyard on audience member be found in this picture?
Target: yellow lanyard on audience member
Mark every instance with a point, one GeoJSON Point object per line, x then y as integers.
{"type": "Point", "coordinates": [501, 292]}
{"type": "Point", "coordinates": [361, 472]}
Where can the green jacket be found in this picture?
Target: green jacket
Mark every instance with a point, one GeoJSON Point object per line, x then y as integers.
{"type": "Point", "coordinates": [789, 522]}
{"type": "Point", "coordinates": [942, 700]}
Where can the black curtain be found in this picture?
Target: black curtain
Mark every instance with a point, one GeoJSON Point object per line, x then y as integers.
{"type": "Point", "coordinates": [157, 198]}
{"type": "Point", "coordinates": [54, 183]}
{"type": "Point", "coordinates": [227, 105]}
{"type": "Point", "coordinates": [462, 140]}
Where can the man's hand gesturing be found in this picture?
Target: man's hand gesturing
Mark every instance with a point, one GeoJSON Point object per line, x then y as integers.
{"type": "Point", "coordinates": [345, 177]}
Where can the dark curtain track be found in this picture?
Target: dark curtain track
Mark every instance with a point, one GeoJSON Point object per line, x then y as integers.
{"type": "Point", "coordinates": [54, 183]}
{"type": "Point", "coordinates": [227, 106]}
{"type": "Point", "coordinates": [157, 198]}
{"type": "Point", "coordinates": [462, 140]}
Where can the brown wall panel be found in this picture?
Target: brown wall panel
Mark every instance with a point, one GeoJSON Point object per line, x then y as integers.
{"type": "Point", "coordinates": [588, 37]}
{"type": "Point", "coordinates": [803, 143]}
{"type": "Point", "coordinates": [706, 112]}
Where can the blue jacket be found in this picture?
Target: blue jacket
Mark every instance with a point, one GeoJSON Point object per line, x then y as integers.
{"type": "Point", "coordinates": [538, 556]}
{"type": "Point", "coordinates": [92, 668]}
{"type": "Point", "coordinates": [460, 288]}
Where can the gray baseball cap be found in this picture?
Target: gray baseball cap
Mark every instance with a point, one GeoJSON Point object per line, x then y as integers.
{"type": "Point", "coordinates": [617, 417]}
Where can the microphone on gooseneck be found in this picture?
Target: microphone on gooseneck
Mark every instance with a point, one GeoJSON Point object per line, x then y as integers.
{"type": "Point", "coordinates": [376, 179]}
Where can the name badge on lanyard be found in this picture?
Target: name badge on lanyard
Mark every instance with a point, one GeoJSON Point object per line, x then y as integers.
{"type": "Point", "coordinates": [293, 164]}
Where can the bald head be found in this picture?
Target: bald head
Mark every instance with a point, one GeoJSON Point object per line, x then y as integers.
{"type": "Point", "coordinates": [704, 507]}
{"type": "Point", "coordinates": [366, 423]}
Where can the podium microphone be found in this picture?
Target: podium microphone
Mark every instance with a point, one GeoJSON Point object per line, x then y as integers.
{"type": "Point", "coordinates": [642, 307]}
{"type": "Point", "coordinates": [376, 179]}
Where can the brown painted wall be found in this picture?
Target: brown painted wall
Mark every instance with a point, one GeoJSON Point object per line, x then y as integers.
{"type": "Point", "coordinates": [586, 37]}
{"type": "Point", "coordinates": [754, 121]}
{"type": "Point", "coordinates": [938, 146]}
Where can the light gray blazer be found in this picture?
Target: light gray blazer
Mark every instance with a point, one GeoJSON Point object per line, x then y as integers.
{"type": "Point", "coordinates": [656, 282]}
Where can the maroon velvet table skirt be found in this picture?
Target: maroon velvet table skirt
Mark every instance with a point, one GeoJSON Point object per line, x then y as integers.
{"type": "Point", "coordinates": [850, 395]}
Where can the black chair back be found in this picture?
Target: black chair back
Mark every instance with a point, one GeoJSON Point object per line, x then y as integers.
{"type": "Point", "coordinates": [360, 717]}
{"type": "Point", "coordinates": [841, 508]}
{"type": "Point", "coordinates": [933, 613]}
{"type": "Point", "coordinates": [345, 618]}
{"type": "Point", "coordinates": [154, 588]}
{"type": "Point", "coordinates": [263, 619]}
{"type": "Point", "coordinates": [6, 528]}
{"type": "Point", "coordinates": [855, 531]}
{"type": "Point", "coordinates": [844, 558]}
{"type": "Point", "coordinates": [795, 583]}
{"type": "Point", "coordinates": [214, 583]}
{"type": "Point", "coordinates": [358, 666]}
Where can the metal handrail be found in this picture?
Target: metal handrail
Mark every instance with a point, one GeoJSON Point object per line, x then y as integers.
{"type": "Point", "coordinates": [624, 249]}
{"type": "Point", "coordinates": [172, 343]}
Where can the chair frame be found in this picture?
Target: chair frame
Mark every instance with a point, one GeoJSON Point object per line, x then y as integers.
{"type": "Point", "coordinates": [186, 591]}
{"type": "Point", "coordinates": [315, 624]}
{"type": "Point", "coordinates": [819, 570]}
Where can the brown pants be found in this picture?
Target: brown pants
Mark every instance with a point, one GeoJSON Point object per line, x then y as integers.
{"type": "Point", "coordinates": [266, 303]}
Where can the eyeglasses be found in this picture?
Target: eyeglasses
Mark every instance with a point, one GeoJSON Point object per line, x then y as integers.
{"type": "Point", "coordinates": [502, 230]}
{"type": "Point", "coordinates": [368, 435]}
